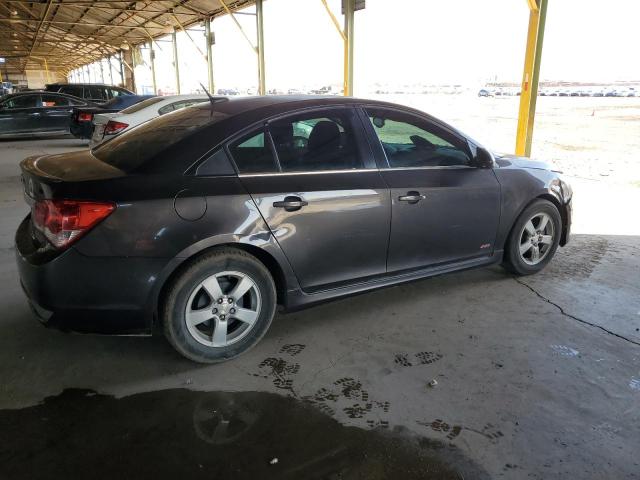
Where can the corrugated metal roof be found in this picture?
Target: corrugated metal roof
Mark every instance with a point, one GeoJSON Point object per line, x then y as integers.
{"type": "Point", "coordinates": [69, 33]}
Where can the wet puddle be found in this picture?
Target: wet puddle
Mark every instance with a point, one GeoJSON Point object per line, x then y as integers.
{"type": "Point", "coordinates": [185, 434]}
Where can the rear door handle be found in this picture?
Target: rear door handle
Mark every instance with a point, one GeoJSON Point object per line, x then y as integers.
{"type": "Point", "coordinates": [291, 203]}
{"type": "Point", "coordinates": [412, 197]}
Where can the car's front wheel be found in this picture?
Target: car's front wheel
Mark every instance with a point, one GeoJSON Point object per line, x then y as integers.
{"type": "Point", "coordinates": [220, 306]}
{"type": "Point", "coordinates": [534, 238]}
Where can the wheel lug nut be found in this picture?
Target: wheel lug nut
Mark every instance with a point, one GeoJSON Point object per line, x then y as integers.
{"type": "Point", "coordinates": [233, 310]}
{"type": "Point", "coordinates": [230, 300]}
{"type": "Point", "coordinates": [222, 317]}
{"type": "Point", "coordinates": [215, 310]}
{"type": "Point", "coordinates": [220, 300]}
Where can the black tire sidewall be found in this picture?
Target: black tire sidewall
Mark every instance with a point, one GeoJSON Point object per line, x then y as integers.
{"type": "Point", "coordinates": [513, 260]}
{"type": "Point", "coordinates": [176, 301]}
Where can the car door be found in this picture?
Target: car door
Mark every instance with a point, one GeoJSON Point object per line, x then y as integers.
{"type": "Point", "coordinates": [444, 208]}
{"type": "Point", "coordinates": [315, 182]}
{"type": "Point", "coordinates": [20, 114]}
{"type": "Point", "coordinates": [56, 112]}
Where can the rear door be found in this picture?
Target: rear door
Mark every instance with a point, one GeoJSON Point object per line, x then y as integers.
{"type": "Point", "coordinates": [56, 112]}
{"type": "Point", "coordinates": [314, 180]}
{"type": "Point", "coordinates": [444, 209]}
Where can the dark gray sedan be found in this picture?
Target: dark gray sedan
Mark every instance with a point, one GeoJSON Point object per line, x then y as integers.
{"type": "Point", "coordinates": [204, 220]}
{"type": "Point", "coordinates": [37, 113]}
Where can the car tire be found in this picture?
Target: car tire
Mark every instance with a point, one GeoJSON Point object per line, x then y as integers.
{"type": "Point", "coordinates": [201, 317]}
{"type": "Point", "coordinates": [537, 229]}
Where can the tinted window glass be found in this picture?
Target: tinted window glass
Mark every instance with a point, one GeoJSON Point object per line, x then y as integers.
{"type": "Point", "coordinates": [143, 104]}
{"type": "Point", "coordinates": [97, 93]}
{"type": "Point", "coordinates": [181, 104]}
{"type": "Point", "coordinates": [410, 141]}
{"type": "Point", "coordinates": [321, 140]}
{"type": "Point", "coordinates": [216, 164]}
{"type": "Point", "coordinates": [134, 148]}
{"type": "Point", "coordinates": [75, 90]}
{"type": "Point", "coordinates": [54, 101]}
{"type": "Point", "coordinates": [252, 154]}
{"type": "Point", "coordinates": [23, 101]}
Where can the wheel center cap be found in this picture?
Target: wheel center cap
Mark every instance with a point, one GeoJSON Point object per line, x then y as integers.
{"type": "Point", "coordinates": [223, 307]}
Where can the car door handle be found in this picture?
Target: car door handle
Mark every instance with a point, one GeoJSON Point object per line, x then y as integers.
{"type": "Point", "coordinates": [291, 204]}
{"type": "Point", "coordinates": [412, 197]}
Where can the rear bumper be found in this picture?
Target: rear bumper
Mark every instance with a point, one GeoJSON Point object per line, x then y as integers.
{"type": "Point", "coordinates": [87, 294]}
{"type": "Point", "coordinates": [81, 130]}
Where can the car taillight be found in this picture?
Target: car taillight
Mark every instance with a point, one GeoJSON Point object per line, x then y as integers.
{"type": "Point", "coordinates": [64, 221]}
{"type": "Point", "coordinates": [85, 117]}
{"type": "Point", "coordinates": [113, 127]}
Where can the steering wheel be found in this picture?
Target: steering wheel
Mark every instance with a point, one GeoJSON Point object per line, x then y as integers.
{"type": "Point", "coordinates": [421, 142]}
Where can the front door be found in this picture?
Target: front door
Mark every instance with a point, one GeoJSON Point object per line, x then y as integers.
{"type": "Point", "coordinates": [444, 209]}
{"type": "Point", "coordinates": [321, 195]}
{"type": "Point", "coordinates": [20, 114]}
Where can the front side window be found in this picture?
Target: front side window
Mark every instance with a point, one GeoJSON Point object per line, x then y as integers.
{"type": "Point", "coordinates": [252, 154]}
{"type": "Point", "coordinates": [23, 101]}
{"type": "Point", "coordinates": [316, 141]}
{"type": "Point", "coordinates": [410, 141]}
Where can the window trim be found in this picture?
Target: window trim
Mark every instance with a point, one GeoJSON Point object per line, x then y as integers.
{"type": "Point", "coordinates": [382, 155]}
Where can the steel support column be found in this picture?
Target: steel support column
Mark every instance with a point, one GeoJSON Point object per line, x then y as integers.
{"type": "Point", "coordinates": [176, 67]}
{"type": "Point", "coordinates": [531, 76]}
{"type": "Point", "coordinates": [152, 54]}
{"type": "Point", "coordinates": [260, 35]}
{"type": "Point", "coordinates": [349, 9]}
{"type": "Point", "coordinates": [208, 35]}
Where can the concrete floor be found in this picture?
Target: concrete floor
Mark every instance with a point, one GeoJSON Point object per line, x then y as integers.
{"type": "Point", "coordinates": [537, 377]}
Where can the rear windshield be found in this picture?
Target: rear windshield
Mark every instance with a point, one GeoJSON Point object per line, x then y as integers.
{"type": "Point", "coordinates": [134, 148]}
{"type": "Point", "coordinates": [143, 104]}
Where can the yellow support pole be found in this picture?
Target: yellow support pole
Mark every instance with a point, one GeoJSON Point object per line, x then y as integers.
{"type": "Point", "coordinates": [530, 76]}
{"type": "Point", "coordinates": [349, 10]}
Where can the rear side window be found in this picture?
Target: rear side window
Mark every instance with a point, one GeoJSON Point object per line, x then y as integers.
{"type": "Point", "coordinates": [253, 154]}
{"type": "Point", "coordinates": [97, 93]}
{"type": "Point", "coordinates": [316, 141]}
{"type": "Point", "coordinates": [54, 101]}
{"type": "Point", "coordinates": [216, 165]}
{"type": "Point", "coordinates": [410, 141]}
{"type": "Point", "coordinates": [143, 104]}
{"type": "Point", "coordinates": [181, 104]}
{"type": "Point", "coordinates": [75, 90]}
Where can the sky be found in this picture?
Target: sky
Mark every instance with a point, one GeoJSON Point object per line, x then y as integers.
{"type": "Point", "coordinates": [427, 41]}
{"type": "Point", "coordinates": [408, 42]}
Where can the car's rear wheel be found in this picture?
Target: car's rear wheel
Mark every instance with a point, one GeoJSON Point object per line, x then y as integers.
{"type": "Point", "coordinates": [220, 306]}
{"type": "Point", "coordinates": [534, 238]}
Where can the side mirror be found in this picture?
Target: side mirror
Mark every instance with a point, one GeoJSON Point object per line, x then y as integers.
{"type": "Point", "coordinates": [483, 158]}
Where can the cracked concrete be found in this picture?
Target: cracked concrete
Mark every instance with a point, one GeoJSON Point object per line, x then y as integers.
{"type": "Point", "coordinates": [528, 386]}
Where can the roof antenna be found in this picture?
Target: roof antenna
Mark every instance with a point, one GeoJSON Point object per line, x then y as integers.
{"type": "Point", "coordinates": [211, 99]}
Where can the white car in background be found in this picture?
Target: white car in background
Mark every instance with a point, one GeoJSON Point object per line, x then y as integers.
{"type": "Point", "coordinates": [107, 125]}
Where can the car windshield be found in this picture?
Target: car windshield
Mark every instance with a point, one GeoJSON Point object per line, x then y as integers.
{"type": "Point", "coordinates": [144, 104]}
{"type": "Point", "coordinates": [137, 146]}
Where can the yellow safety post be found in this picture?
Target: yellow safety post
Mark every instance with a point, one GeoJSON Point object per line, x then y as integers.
{"type": "Point", "coordinates": [531, 76]}
{"type": "Point", "coordinates": [347, 39]}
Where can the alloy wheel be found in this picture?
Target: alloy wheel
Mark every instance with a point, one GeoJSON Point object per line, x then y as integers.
{"type": "Point", "coordinates": [223, 309]}
{"type": "Point", "coordinates": [536, 238]}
